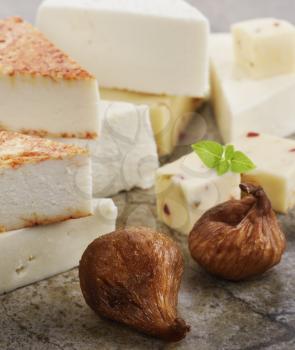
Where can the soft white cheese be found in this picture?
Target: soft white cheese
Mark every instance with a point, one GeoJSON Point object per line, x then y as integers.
{"type": "Point", "coordinates": [153, 46]}
{"type": "Point", "coordinates": [42, 90]}
{"type": "Point", "coordinates": [242, 104]}
{"type": "Point", "coordinates": [33, 254]}
{"type": "Point", "coordinates": [274, 158]}
{"type": "Point", "coordinates": [170, 115]}
{"type": "Point", "coordinates": [264, 47]}
{"type": "Point", "coordinates": [41, 106]}
{"type": "Point", "coordinates": [125, 156]}
{"type": "Point", "coordinates": [185, 189]}
{"type": "Point", "coordinates": [42, 182]}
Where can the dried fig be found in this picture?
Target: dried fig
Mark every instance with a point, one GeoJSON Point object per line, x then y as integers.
{"type": "Point", "coordinates": [239, 238]}
{"type": "Point", "coordinates": [133, 276]}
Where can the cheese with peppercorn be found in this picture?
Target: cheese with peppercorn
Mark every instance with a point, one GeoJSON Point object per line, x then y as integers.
{"type": "Point", "coordinates": [274, 158]}
{"type": "Point", "coordinates": [186, 189]}
{"type": "Point", "coordinates": [242, 104]}
{"type": "Point", "coordinates": [264, 47]}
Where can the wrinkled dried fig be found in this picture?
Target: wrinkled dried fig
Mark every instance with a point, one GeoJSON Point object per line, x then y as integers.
{"type": "Point", "coordinates": [239, 238]}
{"type": "Point", "coordinates": [133, 276]}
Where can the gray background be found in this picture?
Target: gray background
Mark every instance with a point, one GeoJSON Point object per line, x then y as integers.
{"type": "Point", "coordinates": [221, 13]}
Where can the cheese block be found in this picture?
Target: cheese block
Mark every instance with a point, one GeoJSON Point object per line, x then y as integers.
{"type": "Point", "coordinates": [274, 158]}
{"type": "Point", "coordinates": [43, 91]}
{"type": "Point", "coordinates": [185, 189]}
{"type": "Point", "coordinates": [125, 156]}
{"type": "Point", "coordinates": [242, 104]}
{"type": "Point", "coordinates": [33, 254]}
{"type": "Point", "coordinates": [264, 47]}
{"type": "Point", "coordinates": [154, 46]}
{"type": "Point", "coordinates": [170, 115]}
{"type": "Point", "coordinates": [42, 181]}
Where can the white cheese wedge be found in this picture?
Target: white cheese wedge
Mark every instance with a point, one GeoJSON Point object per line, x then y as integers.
{"type": "Point", "coordinates": [186, 189]}
{"type": "Point", "coordinates": [125, 156]}
{"type": "Point", "coordinates": [274, 158]}
{"type": "Point", "coordinates": [153, 46]}
{"type": "Point", "coordinates": [170, 115]}
{"type": "Point", "coordinates": [33, 254]}
{"type": "Point", "coordinates": [264, 47]}
{"type": "Point", "coordinates": [242, 104]}
{"type": "Point", "coordinates": [42, 181]}
{"type": "Point", "coordinates": [42, 91]}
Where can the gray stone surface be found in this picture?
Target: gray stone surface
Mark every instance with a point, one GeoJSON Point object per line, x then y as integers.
{"type": "Point", "coordinates": [258, 314]}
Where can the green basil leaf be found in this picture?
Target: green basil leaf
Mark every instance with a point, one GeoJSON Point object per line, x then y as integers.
{"type": "Point", "coordinates": [240, 163]}
{"type": "Point", "coordinates": [229, 152]}
{"type": "Point", "coordinates": [222, 167]}
{"type": "Point", "coordinates": [210, 152]}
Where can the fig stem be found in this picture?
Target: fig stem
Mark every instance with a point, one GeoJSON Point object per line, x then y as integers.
{"type": "Point", "coordinates": [178, 330]}
{"type": "Point", "coordinates": [263, 203]}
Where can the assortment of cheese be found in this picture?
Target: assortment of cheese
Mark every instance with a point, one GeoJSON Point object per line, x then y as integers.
{"type": "Point", "coordinates": [252, 93]}
{"type": "Point", "coordinates": [140, 51]}
{"type": "Point", "coordinates": [91, 98]}
{"type": "Point", "coordinates": [61, 144]}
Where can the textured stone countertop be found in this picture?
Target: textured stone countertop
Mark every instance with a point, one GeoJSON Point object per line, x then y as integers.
{"type": "Point", "coordinates": [258, 314]}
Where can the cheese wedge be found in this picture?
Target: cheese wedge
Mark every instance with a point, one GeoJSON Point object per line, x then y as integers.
{"type": "Point", "coordinates": [42, 181]}
{"type": "Point", "coordinates": [33, 254]}
{"type": "Point", "coordinates": [185, 189]}
{"type": "Point", "coordinates": [274, 158]}
{"type": "Point", "coordinates": [170, 115]}
{"type": "Point", "coordinates": [152, 46]}
{"type": "Point", "coordinates": [125, 156]}
{"type": "Point", "coordinates": [242, 104]}
{"type": "Point", "coordinates": [42, 91]}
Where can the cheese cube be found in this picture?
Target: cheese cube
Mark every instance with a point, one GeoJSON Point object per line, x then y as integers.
{"type": "Point", "coordinates": [42, 181]}
{"type": "Point", "coordinates": [186, 189]}
{"type": "Point", "coordinates": [242, 104]}
{"type": "Point", "coordinates": [265, 47]}
{"type": "Point", "coordinates": [170, 115]}
{"type": "Point", "coordinates": [153, 46]}
{"type": "Point", "coordinates": [33, 254]}
{"type": "Point", "coordinates": [275, 172]}
{"type": "Point", "coordinates": [125, 156]}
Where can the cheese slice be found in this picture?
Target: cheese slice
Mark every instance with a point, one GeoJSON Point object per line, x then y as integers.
{"type": "Point", "coordinates": [42, 181]}
{"type": "Point", "coordinates": [274, 158]}
{"type": "Point", "coordinates": [43, 91]}
{"type": "Point", "coordinates": [186, 189]}
{"type": "Point", "coordinates": [242, 104]}
{"type": "Point", "coordinates": [170, 115]}
{"type": "Point", "coordinates": [125, 156]}
{"type": "Point", "coordinates": [33, 254]}
{"type": "Point", "coordinates": [152, 46]}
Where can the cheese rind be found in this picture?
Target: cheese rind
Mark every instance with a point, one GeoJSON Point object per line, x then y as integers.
{"type": "Point", "coordinates": [162, 45]}
{"type": "Point", "coordinates": [55, 96]}
{"type": "Point", "coordinates": [125, 156]}
{"type": "Point", "coordinates": [185, 189]}
{"type": "Point", "coordinates": [242, 104]}
{"type": "Point", "coordinates": [33, 254]}
{"type": "Point", "coordinates": [42, 182]}
{"type": "Point", "coordinates": [170, 115]}
{"type": "Point", "coordinates": [264, 47]}
{"type": "Point", "coordinates": [274, 158]}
